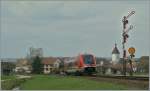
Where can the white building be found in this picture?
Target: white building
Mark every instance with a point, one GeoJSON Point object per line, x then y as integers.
{"type": "Point", "coordinates": [115, 55]}
{"type": "Point", "coordinates": [23, 66]}
{"type": "Point", "coordinates": [50, 65]}
{"type": "Point", "coordinates": [36, 52]}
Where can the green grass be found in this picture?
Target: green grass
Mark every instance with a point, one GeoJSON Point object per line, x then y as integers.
{"type": "Point", "coordinates": [45, 82]}
{"type": "Point", "coordinates": [5, 77]}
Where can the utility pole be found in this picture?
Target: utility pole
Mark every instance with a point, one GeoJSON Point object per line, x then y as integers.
{"type": "Point", "coordinates": [125, 36]}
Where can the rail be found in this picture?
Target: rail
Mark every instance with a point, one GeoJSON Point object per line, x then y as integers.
{"type": "Point", "coordinates": [126, 77]}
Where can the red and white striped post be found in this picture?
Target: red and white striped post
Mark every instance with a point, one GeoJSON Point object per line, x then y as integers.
{"type": "Point", "coordinates": [125, 36]}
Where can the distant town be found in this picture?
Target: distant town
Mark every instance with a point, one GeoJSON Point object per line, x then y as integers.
{"type": "Point", "coordinates": [52, 64]}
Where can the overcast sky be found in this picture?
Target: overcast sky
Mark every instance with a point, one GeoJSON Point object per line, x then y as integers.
{"type": "Point", "coordinates": [64, 28]}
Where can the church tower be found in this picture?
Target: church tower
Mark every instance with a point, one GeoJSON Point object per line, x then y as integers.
{"type": "Point", "coordinates": [115, 55]}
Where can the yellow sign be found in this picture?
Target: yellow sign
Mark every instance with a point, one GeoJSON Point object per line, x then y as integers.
{"type": "Point", "coordinates": [131, 50]}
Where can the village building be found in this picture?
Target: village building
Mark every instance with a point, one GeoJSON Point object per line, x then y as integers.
{"type": "Point", "coordinates": [115, 55]}
{"type": "Point", "coordinates": [101, 64]}
{"type": "Point", "coordinates": [35, 52]}
{"type": "Point", "coordinates": [113, 66]}
{"type": "Point", "coordinates": [50, 65]}
{"type": "Point", "coordinates": [143, 64]}
{"type": "Point", "coordinates": [23, 66]}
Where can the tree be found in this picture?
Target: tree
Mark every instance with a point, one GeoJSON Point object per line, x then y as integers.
{"type": "Point", "coordinates": [144, 64]}
{"type": "Point", "coordinates": [36, 65]}
{"type": "Point", "coordinates": [61, 66]}
{"type": "Point", "coordinates": [7, 68]}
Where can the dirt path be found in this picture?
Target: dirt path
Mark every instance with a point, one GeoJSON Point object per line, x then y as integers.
{"type": "Point", "coordinates": [131, 84]}
{"type": "Point", "coordinates": [23, 76]}
{"type": "Point", "coordinates": [5, 80]}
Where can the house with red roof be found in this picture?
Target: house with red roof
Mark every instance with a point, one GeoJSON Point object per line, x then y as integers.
{"type": "Point", "coordinates": [50, 64]}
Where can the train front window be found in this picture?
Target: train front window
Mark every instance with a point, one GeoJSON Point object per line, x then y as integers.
{"type": "Point", "coordinates": [88, 59]}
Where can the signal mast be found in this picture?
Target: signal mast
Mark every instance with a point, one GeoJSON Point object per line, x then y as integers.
{"type": "Point", "coordinates": [125, 36]}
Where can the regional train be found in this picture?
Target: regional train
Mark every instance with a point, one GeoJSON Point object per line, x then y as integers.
{"type": "Point", "coordinates": [83, 64]}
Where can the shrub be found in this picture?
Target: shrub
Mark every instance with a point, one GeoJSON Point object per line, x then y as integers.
{"type": "Point", "coordinates": [10, 84]}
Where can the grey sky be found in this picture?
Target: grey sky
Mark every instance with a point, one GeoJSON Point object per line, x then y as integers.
{"type": "Point", "coordinates": [64, 28]}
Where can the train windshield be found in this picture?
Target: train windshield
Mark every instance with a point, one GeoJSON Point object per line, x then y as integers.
{"type": "Point", "coordinates": [88, 59]}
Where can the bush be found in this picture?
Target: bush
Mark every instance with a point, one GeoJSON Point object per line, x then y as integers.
{"type": "Point", "coordinates": [10, 84]}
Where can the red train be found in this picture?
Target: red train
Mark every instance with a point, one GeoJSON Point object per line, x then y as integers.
{"type": "Point", "coordinates": [82, 64]}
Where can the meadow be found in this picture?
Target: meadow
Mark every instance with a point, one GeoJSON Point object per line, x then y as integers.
{"type": "Point", "coordinates": [53, 82]}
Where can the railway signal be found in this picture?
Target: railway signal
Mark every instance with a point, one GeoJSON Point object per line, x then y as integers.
{"type": "Point", "coordinates": [131, 51]}
{"type": "Point", "coordinates": [125, 36]}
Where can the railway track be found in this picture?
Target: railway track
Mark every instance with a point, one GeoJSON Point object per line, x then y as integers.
{"type": "Point", "coordinates": [132, 83]}
{"type": "Point", "coordinates": [125, 77]}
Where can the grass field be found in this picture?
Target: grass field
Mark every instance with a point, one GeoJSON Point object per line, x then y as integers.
{"type": "Point", "coordinates": [5, 77]}
{"type": "Point", "coordinates": [46, 82]}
